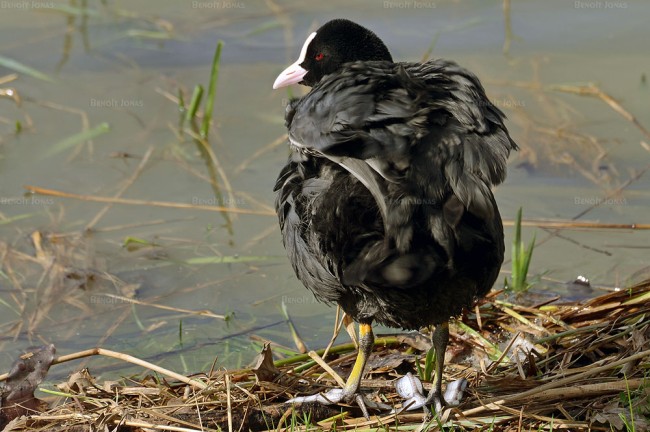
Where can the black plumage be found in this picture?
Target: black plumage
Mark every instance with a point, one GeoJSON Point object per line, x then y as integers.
{"type": "Point", "coordinates": [385, 205]}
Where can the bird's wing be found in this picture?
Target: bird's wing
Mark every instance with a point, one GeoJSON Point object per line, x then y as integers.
{"type": "Point", "coordinates": [387, 114]}
{"type": "Point", "coordinates": [361, 112]}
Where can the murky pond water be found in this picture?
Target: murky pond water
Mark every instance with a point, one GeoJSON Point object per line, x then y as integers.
{"type": "Point", "coordinates": [115, 69]}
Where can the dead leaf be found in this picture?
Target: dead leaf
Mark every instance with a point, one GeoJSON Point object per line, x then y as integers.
{"type": "Point", "coordinates": [389, 362]}
{"type": "Point", "coordinates": [264, 368]}
{"type": "Point", "coordinates": [348, 323]}
{"type": "Point", "coordinates": [78, 382]}
{"type": "Point", "coordinates": [25, 375]}
{"type": "Point", "coordinates": [416, 340]}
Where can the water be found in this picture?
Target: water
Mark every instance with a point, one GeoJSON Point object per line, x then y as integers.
{"type": "Point", "coordinates": [104, 71]}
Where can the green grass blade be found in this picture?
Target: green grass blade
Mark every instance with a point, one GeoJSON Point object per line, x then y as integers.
{"type": "Point", "coordinates": [418, 368]}
{"type": "Point", "coordinates": [521, 258]}
{"type": "Point", "coordinates": [135, 240]}
{"type": "Point", "coordinates": [212, 91]}
{"type": "Point", "coordinates": [516, 251]}
{"type": "Point", "coordinates": [64, 394]}
{"type": "Point", "coordinates": [182, 109]}
{"type": "Point", "coordinates": [75, 11]}
{"type": "Point", "coordinates": [15, 218]}
{"type": "Point", "coordinates": [76, 139]}
{"type": "Point", "coordinates": [134, 243]}
{"type": "Point", "coordinates": [197, 95]}
{"type": "Point", "coordinates": [297, 340]}
{"type": "Point", "coordinates": [493, 351]}
{"type": "Point", "coordinates": [642, 298]}
{"type": "Point", "coordinates": [528, 255]}
{"type": "Point", "coordinates": [7, 305]}
{"type": "Point", "coordinates": [429, 363]}
{"type": "Point", "coordinates": [432, 45]}
{"type": "Point", "coordinates": [136, 319]}
{"type": "Point", "coordinates": [23, 69]}
{"type": "Point", "coordinates": [148, 34]}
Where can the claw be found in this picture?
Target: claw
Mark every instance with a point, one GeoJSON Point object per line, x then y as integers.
{"type": "Point", "coordinates": [337, 395]}
{"type": "Point", "coordinates": [436, 400]}
{"type": "Point", "coordinates": [410, 388]}
{"type": "Point", "coordinates": [454, 392]}
{"type": "Point", "coordinates": [377, 406]}
{"type": "Point", "coordinates": [331, 397]}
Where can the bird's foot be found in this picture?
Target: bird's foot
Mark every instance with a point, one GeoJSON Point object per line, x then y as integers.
{"type": "Point", "coordinates": [350, 391]}
{"type": "Point", "coordinates": [338, 395]}
{"type": "Point", "coordinates": [410, 388]}
{"type": "Point", "coordinates": [451, 398]}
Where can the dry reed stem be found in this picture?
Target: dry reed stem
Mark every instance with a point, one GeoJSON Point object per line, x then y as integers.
{"type": "Point", "coordinates": [593, 91]}
{"type": "Point", "coordinates": [166, 204]}
{"type": "Point", "coordinates": [327, 368]}
{"type": "Point", "coordinates": [205, 313]}
{"type": "Point", "coordinates": [127, 358]}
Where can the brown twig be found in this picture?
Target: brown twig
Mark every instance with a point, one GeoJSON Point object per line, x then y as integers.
{"type": "Point", "coordinates": [593, 91]}
{"type": "Point", "coordinates": [205, 313]}
{"type": "Point", "coordinates": [571, 224]}
{"type": "Point", "coordinates": [128, 201]}
{"type": "Point", "coordinates": [127, 358]}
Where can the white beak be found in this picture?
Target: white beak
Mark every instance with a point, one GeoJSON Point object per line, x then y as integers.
{"type": "Point", "coordinates": [291, 75]}
{"type": "Point", "coordinates": [294, 73]}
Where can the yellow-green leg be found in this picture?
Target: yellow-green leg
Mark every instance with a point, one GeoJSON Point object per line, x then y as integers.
{"type": "Point", "coordinates": [366, 342]}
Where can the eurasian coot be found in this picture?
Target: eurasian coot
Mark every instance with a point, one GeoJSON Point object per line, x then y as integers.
{"type": "Point", "coordinates": [385, 205]}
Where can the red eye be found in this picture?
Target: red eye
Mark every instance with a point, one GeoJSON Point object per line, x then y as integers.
{"type": "Point", "coordinates": [319, 57]}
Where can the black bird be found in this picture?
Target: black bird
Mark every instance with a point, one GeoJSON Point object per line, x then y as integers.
{"type": "Point", "coordinates": [385, 205]}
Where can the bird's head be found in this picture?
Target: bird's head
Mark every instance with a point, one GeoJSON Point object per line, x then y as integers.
{"type": "Point", "coordinates": [337, 42]}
